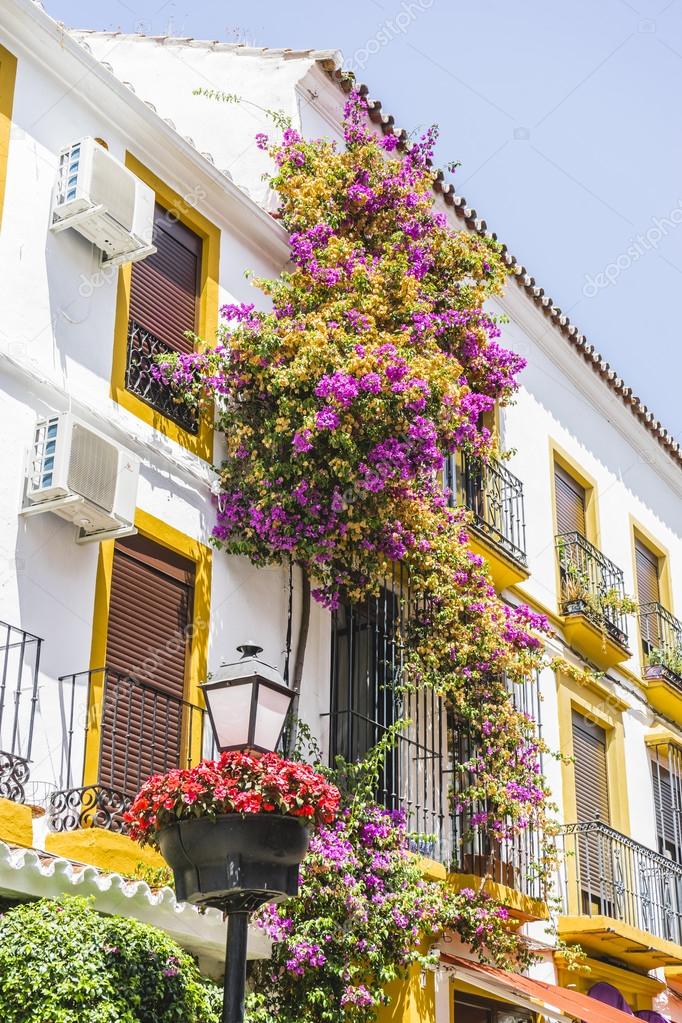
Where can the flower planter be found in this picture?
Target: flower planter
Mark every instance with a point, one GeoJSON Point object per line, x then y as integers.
{"type": "Point", "coordinates": [235, 861]}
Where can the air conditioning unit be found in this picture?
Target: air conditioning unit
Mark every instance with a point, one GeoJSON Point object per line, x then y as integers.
{"type": "Point", "coordinates": [83, 476]}
{"type": "Point", "coordinates": [105, 202]}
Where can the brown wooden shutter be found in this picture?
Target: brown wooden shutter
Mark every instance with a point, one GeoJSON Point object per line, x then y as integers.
{"type": "Point", "coordinates": [591, 774]}
{"type": "Point", "coordinates": [149, 611]}
{"type": "Point", "coordinates": [570, 503]}
{"type": "Point", "coordinates": [164, 287]}
{"type": "Point", "coordinates": [646, 562]}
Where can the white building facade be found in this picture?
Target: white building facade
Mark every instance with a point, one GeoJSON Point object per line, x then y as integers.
{"type": "Point", "coordinates": [590, 466]}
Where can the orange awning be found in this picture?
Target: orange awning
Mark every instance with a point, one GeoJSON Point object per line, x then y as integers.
{"type": "Point", "coordinates": [559, 1003]}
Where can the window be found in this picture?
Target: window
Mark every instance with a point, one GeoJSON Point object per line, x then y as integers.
{"type": "Point", "coordinates": [150, 610]}
{"type": "Point", "coordinates": [570, 503]}
{"type": "Point", "coordinates": [164, 298]}
{"type": "Point", "coordinates": [666, 770]}
{"type": "Point", "coordinates": [591, 772]}
{"type": "Point", "coordinates": [472, 1009]}
{"type": "Point", "coordinates": [648, 595]}
{"type": "Point", "coordinates": [366, 698]}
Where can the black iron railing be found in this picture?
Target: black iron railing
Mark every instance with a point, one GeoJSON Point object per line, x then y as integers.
{"type": "Point", "coordinates": [661, 636]}
{"type": "Point", "coordinates": [591, 585]}
{"type": "Point", "coordinates": [511, 861]}
{"type": "Point", "coordinates": [19, 666]}
{"type": "Point", "coordinates": [140, 730]}
{"type": "Point", "coordinates": [494, 496]}
{"type": "Point", "coordinates": [367, 697]}
{"type": "Point", "coordinates": [142, 347]}
{"type": "Point", "coordinates": [607, 874]}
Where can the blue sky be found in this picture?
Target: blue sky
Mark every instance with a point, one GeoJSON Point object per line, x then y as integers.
{"type": "Point", "coordinates": [565, 117]}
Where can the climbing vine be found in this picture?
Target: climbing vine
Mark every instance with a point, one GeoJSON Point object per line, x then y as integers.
{"type": "Point", "coordinates": [339, 405]}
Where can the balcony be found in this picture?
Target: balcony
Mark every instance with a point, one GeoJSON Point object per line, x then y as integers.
{"type": "Point", "coordinates": [661, 635]}
{"type": "Point", "coordinates": [494, 496]}
{"type": "Point", "coordinates": [116, 731]}
{"type": "Point", "coordinates": [620, 898]}
{"type": "Point", "coordinates": [19, 665]}
{"type": "Point", "coordinates": [142, 347]}
{"type": "Point", "coordinates": [592, 590]}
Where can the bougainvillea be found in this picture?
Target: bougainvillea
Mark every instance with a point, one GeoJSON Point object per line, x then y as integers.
{"type": "Point", "coordinates": [235, 783]}
{"type": "Point", "coordinates": [339, 406]}
{"type": "Point", "coordinates": [365, 914]}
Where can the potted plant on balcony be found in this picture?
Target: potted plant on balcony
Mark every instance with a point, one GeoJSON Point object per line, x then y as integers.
{"type": "Point", "coordinates": [662, 662]}
{"type": "Point", "coordinates": [234, 827]}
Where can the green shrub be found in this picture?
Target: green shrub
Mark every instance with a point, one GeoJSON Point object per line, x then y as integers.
{"type": "Point", "coordinates": [62, 962]}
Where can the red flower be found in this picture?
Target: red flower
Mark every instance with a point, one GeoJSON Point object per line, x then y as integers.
{"type": "Point", "coordinates": [235, 783]}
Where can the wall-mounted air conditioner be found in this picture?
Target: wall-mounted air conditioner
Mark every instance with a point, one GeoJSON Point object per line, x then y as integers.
{"type": "Point", "coordinates": [83, 476]}
{"type": "Point", "coordinates": [105, 202]}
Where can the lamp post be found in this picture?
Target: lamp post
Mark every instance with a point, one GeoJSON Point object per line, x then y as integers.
{"type": "Point", "coordinates": [247, 704]}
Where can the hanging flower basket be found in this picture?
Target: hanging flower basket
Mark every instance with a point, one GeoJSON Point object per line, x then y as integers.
{"type": "Point", "coordinates": [233, 830]}
{"type": "Point", "coordinates": [243, 859]}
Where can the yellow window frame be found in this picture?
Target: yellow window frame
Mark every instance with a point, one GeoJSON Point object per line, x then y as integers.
{"type": "Point", "coordinates": [202, 443]}
{"type": "Point", "coordinates": [197, 662]}
{"type": "Point", "coordinates": [8, 74]}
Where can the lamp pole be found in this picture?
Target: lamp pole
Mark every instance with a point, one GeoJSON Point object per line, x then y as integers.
{"type": "Point", "coordinates": [247, 703]}
{"type": "Point", "coordinates": [235, 967]}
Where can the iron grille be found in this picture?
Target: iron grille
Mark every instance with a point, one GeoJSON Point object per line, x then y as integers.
{"type": "Point", "coordinates": [511, 861]}
{"type": "Point", "coordinates": [143, 346]}
{"type": "Point", "coordinates": [494, 496]}
{"type": "Point", "coordinates": [661, 636]}
{"type": "Point", "coordinates": [20, 663]}
{"type": "Point", "coordinates": [367, 698]}
{"type": "Point", "coordinates": [606, 873]}
{"type": "Point", "coordinates": [129, 710]}
{"type": "Point", "coordinates": [588, 576]}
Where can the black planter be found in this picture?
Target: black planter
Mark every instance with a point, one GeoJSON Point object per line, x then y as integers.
{"type": "Point", "coordinates": [235, 862]}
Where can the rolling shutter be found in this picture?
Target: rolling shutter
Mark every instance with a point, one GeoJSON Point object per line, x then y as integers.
{"type": "Point", "coordinates": [646, 562]}
{"type": "Point", "coordinates": [164, 287]}
{"type": "Point", "coordinates": [570, 503]}
{"type": "Point", "coordinates": [149, 611]}
{"type": "Point", "coordinates": [666, 803]}
{"type": "Point", "coordinates": [591, 774]}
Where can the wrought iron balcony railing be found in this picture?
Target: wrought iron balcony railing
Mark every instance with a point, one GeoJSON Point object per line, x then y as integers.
{"type": "Point", "coordinates": [607, 874]}
{"type": "Point", "coordinates": [19, 665]}
{"type": "Point", "coordinates": [513, 861]}
{"type": "Point", "coordinates": [495, 497]}
{"type": "Point", "coordinates": [142, 347]}
{"type": "Point", "coordinates": [661, 636]}
{"type": "Point", "coordinates": [591, 585]}
{"type": "Point", "coordinates": [138, 730]}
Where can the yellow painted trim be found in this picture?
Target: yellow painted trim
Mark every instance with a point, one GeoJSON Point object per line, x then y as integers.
{"type": "Point", "coordinates": [559, 456]}
{"type": "Point", "coordinates": [432, 870]}
{"type": "Point", "coordinates": [638, 989]}
{"type": "Point", "coordinates": [640, 532]}
{"type": "Point", "coordinates": [593, 643]}
{"type": "Point", "coordinates": [107, 850]}
{"type": "Point", "coordinates": [661, 736]}
{"type": "Point", "coordinates": [522, 907]}
{"type": "Point", "coordinates": [202, 443]}
{"type": "Point", "coordinates": [410, 1002]}
{"type": "Point", "coordinates": [98, 659]}
{"type": "Point", "coordinates": [8, 74]}
{"type": "Point", "coordinates": [607, 936]}
{"type": "Point", "coordinates": [197, 662]}
{"type": "Point", "coordinates": [16, 823]}
{"type": "Point", "coordinates": [504, 570]}
{"type": "Point", "coordinates": [664, 697]}
{"type": "Point", "coordinates": [605, 710]}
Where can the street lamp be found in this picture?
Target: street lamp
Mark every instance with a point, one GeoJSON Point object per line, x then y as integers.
{"type": "Point", "coordinates": [247, 703]}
